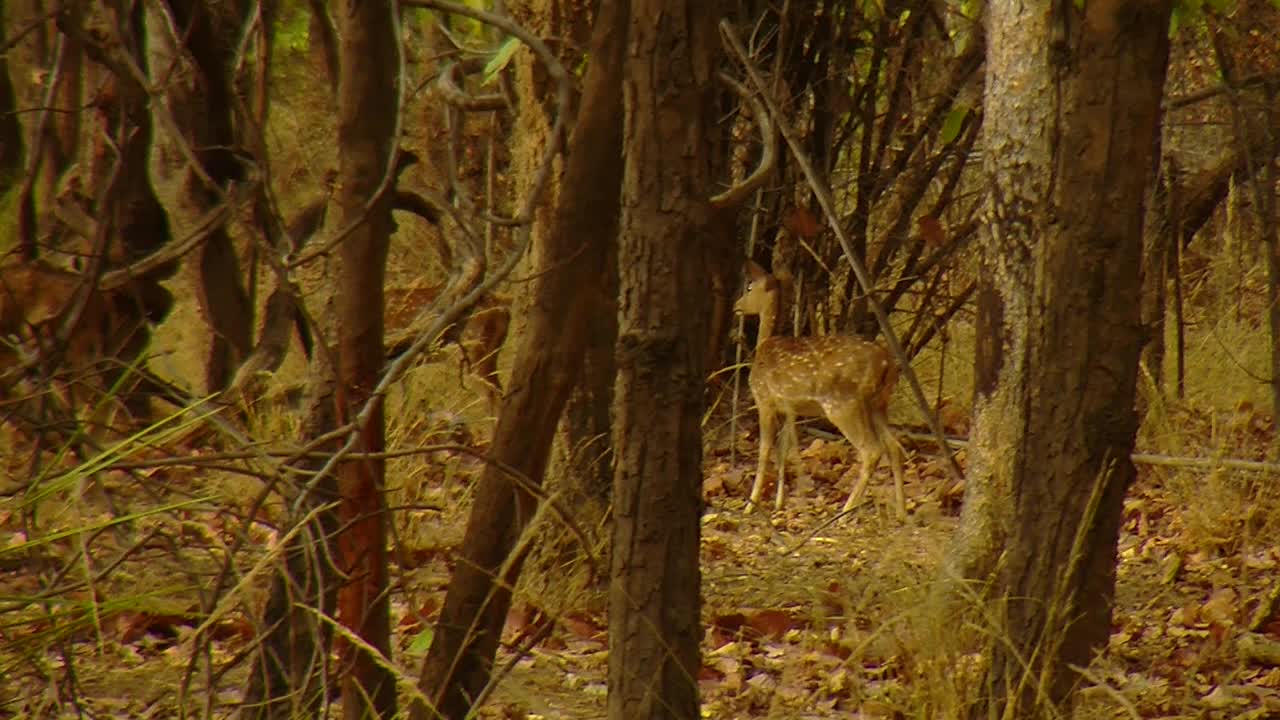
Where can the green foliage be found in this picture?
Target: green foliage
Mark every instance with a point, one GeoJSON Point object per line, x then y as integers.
{"type": "Point", "coordinates": [8, 219]}
{"type": "Point", "coordinates": [51, 483]}
{"type": "Point", "coordinates": [475, 37]}
{"type": "Point", "coordinates": [953, 122]}
{"type": "Point", "coordinates": [500, 59]}
{"type": "Point", "coordinates": [970, 9]}
{"type": "Point", "coordinates": [293, 33]}
{"type": "Point", "coordinates": [421, 642]}
{"type": "Point", "coordinates": [1187, 13]}
{"type": "Point", "coordinates": [94, 527]}
{"type": "Point", "coordinates": [464, 31]}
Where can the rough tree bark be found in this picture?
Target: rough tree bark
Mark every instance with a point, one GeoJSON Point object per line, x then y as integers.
{"type": "Point", "coordinates": [368, 104]}
{"type": "Point", "coordinates": [569, 263]}
{"type": "Point", "coordinates": [580, 470]}
{"type": "Point", "coordinates": [664, 300]}
{"type": "Point", "coordinates": [584, 453]}
{"type": "Point", "coordinates": [1071, 117]}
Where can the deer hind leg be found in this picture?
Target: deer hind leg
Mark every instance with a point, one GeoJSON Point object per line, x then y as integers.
{"type": "Point", "coordinates": [855, 424]}
{"type": "Point", "coordinates": [768, 431]}
{"type": "Point", "coordinates": [894, 450]}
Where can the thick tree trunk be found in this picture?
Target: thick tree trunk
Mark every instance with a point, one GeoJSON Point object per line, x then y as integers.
{"type": "Point", "coordinates": [664, 300]}
{"type": "Point", "coordinates": [1071, 119]}
{"type": "Point", "coordinates": [583, 463]}
{"type": "Point", "coordinates": [189, 49]}
{"type": "Point", "coordinates": [10, 129]}
{"type": "Point", "coordinates": [1159, 229]}
{"type": "Point", "coordinates": [139, 224]}
{"type": "Point", "coordinates": [368, 104]}
{"type": "Point", "coordinates": [580, 470]}
{"type": "Point", "coordinates": [569, 262]}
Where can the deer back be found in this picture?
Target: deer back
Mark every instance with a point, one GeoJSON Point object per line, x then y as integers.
{"type": "Point", "coordinates": [804, 373]}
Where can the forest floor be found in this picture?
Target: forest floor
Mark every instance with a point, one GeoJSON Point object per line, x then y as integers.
{"type": "Point", "coordinates": [807, 614]}
{"type": "Point", "coordinates": [807, 617]}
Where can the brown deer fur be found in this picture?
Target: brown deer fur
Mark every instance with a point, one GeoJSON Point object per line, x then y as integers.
{"type": "Point", "coordinates": [845, 379]}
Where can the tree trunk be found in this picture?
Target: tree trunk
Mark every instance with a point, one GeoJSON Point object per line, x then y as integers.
{"type": "Point", "coordinates": [1071, 118]}
{"type": "Point", "coordinates": [580, 471]}
{"type": "Point", "coordinates": [569, 263]}
{"type": "Point", "coordinates": [368, 71]}
{"type": "Point", "coordinates": [1176, 213]}
{"type": "Point", "coordinates": [10, 128]}
{"type": "Point", "coordinates": [61, 137]}
{"type": "Point", "coordinates": [286, 678]}
{"type": "Point", "coordinates": [664, 300]}
{"type": "Point", "coordinates": [583, 463]}
{"type": "Point", "coordinates": [190, 46]}
{"type": "Point", "coordinates": [1159, 230]}
{"type": "Point", "coordinates": [139, 224]}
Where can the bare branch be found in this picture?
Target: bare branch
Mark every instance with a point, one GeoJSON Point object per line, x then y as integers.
{"type": "Point", "coordinates": [447, 86]}
{"type": "Point", "coordinates": [556, 72]}
{"type": "Point", "coordinates": [174, 250]}
{"type": "Point", "coordinates": [737, 193]}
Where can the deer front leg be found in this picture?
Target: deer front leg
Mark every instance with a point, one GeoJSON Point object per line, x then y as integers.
{"type": "Point", "coordinates": [786, 445]}
{"type": "Point", "coordinates": [768, 430]}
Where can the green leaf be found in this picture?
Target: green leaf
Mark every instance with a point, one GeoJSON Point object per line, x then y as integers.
{"type": "Point", "coordinates": [1185, 14]}
{"type": "Point", "coordinates": [421, 642]}
{"type": "Point", "coordinates": [500, 59]}
{"type": "Point", "coordinates": [952, 123]}
{"type": "Point", "coordinates": [293, 28]}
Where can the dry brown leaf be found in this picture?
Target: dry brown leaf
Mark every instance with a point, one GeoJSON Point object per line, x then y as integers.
{"type": "Point", "coordinates": [1221, 608]}
{"type": "Point", "coordinates": [771, 623]}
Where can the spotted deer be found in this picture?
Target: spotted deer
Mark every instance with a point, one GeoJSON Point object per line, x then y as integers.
{"type": "Point", "coordinates": [846, 379]}
{"type": "Point", "coordinates": [86, 361]}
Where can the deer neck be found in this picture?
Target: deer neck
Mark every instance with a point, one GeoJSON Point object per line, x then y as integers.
{"type": "Point", "coordinates": [768, 319]}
